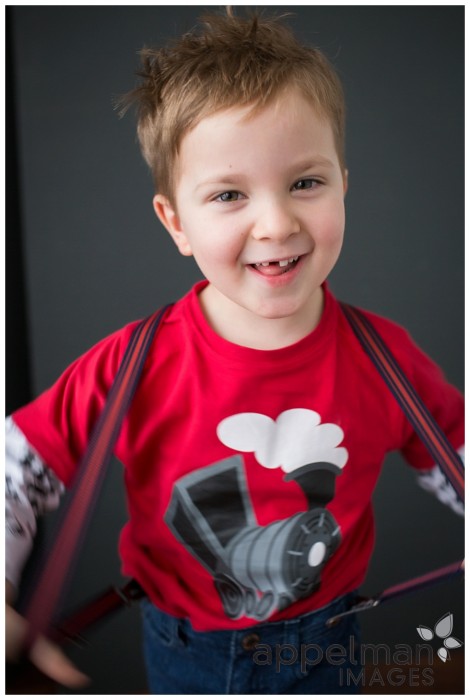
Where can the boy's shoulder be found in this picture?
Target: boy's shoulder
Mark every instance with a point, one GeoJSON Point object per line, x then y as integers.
{"type": "Point", "coordinates": [389, 329]}
{"type": "Point", "coordinates": [105, 355]}
{"type": "Point", "coordinates": [384, 325]}
{"type": "Point", "coordinates": [111, 347]}
{"type": "Point", "coordinates": [397, 338]}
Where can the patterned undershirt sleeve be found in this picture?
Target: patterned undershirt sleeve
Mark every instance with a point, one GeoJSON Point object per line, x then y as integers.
{"type": "Point", "coordinates": [31, 490]}
{"type": "Point", "coordinates": [435, 482]}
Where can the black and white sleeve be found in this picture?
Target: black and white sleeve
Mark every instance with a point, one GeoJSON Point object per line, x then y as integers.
{"type": "Point", "coordinates": [31, 490]}
{"type": "Point", "coordinates": [436, 483]}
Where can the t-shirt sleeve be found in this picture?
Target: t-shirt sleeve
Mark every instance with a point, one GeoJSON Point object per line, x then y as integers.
{"type": "Point", "coordinates": [58, 423]}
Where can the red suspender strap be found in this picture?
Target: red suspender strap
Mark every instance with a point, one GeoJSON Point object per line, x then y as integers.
{"type": "Point", "coordinates": [444, 455]}
{"type": "Point", "coordinates": [56, 567]}
{"type": "Point", "coordinates": [445, 573]}
{"type": "Point", "coordinates": [420, 582]}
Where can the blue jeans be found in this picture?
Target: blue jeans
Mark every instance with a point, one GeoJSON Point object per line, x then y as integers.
{"type": "Point", "coordinates": [300, 656]}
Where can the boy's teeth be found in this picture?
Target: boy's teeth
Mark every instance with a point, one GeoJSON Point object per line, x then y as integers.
{"type": "Point", "coordinates": [281, 263]}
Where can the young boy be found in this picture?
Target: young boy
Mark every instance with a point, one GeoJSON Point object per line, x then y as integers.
{"type": "Point", "coordinates": [259, 427]}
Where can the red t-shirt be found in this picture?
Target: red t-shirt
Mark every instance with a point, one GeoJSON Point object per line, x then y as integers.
{"type": "Point", "coordinates": [248, 473]}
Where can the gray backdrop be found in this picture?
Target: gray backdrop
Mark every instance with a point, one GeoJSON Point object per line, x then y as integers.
{"type": "Point", "coordinates": [94, 256]}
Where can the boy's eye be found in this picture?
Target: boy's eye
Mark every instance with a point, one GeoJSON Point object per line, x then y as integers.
{"type": "Point", "coordinates": [231, 196]}
{"type": "Point", "coordinates": [306, 183]}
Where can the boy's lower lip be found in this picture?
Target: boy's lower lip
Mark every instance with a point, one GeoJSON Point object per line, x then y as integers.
{"type": "Point", "coordinates": [281, 279]}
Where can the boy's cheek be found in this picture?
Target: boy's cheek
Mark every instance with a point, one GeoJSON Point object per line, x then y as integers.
{"type": "Point", "coordinates": [332, 228]}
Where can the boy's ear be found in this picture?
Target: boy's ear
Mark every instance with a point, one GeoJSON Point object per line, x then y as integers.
{"type": "Point", "coordinates": [170, 220]}
{"type": "Point", "coordinates": [345, 181]}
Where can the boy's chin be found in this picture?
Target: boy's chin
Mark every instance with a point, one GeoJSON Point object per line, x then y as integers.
{"type": "Point", "coordinates": [292, 309]}
{"type": "Point", "coordinates": [257, 310]}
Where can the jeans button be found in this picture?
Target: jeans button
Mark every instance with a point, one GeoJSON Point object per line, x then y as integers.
{"type": "Point", "coordinates": [250, 641]}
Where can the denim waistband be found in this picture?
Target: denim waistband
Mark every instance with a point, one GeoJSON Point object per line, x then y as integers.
{"type": "Point", "coordinates": [281, 631]}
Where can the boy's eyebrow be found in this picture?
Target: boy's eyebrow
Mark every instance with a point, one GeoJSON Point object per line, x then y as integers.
{"type": "Point", "coordinates": [313, 162]}
{"type": "Point", "coordinates": [234, 179]}
{"type": "Point", "coordinates": [218, 180]}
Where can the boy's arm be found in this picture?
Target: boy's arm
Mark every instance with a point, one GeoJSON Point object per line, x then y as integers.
{"type": "Point", "coordinates": [31, 489]}
{"type": "Point", "coordinates": [434, 481]}
{"type": "Point", "coordinates": [445, 403]}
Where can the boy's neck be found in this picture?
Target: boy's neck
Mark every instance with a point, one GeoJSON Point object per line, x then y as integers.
{"type": "Point", "coordinates": [244, 328]}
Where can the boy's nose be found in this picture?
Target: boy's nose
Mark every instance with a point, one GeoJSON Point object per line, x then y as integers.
{"type": "Point", "coordinates": [275, 220]}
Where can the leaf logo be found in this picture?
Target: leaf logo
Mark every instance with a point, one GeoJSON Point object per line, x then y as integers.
{"type": "Point", "coordinates": [443, 630]}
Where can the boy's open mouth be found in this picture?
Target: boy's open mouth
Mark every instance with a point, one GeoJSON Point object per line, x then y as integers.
{"type": "Point", "coordinates": [276, 267]}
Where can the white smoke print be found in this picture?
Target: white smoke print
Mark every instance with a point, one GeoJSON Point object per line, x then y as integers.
{"type": "Point", "coordinates": [296, 438]}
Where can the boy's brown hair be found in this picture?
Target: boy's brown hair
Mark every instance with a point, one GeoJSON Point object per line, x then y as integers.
{"type": "Point", "coordinates": [230, 62]}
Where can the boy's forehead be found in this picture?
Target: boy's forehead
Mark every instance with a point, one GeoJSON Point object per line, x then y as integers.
{"type": "Point", "coordinates": [289, 108]}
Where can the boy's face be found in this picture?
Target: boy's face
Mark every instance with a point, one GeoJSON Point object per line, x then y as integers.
{"type": "Point", "coordinates": [260, 204]}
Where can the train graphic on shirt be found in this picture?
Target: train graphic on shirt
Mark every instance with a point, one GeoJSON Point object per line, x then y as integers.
{"type": "Point", "coordinates": [259, 570]}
